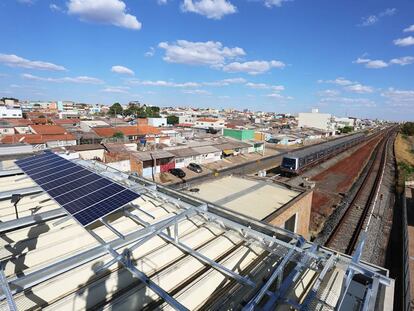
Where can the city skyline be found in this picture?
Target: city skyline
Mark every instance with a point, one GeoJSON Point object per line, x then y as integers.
{"type": "Point", "coordinates": [346, 58]}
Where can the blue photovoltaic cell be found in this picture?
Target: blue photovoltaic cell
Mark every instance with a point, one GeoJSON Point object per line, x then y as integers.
{"type": "Point", "coordinates": [32, 159]}
{"type": "Point", "coordinates": [89, 200]}
{"type": "Point", "coordinates": [84, 194]}
{"type": "Point", "coordinates": [105, 207]}
{"type": "Point", "coordinates": [36, 160]}
{"type": "Point", "coordinates": [80, 180]}
{"type": "Point", "coordinates": [76, 193]}
{"type": "Point", "coordinates": [44, 165]}
{"type": "Point", "coordinates": [63, 171]}
{"type": "Point", "coordinates": [51, 170]}
{"type": "Point", "coordinates": [51, 184]}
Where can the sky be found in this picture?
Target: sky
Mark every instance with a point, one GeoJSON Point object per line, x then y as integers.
{"type": "Point", "coordinates": [346, 57]}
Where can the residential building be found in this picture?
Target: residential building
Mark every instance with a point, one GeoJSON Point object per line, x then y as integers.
{"type": "Point", "coordinates": [322, 121]}
{"type": "Point", "coordinates": [8, 112]}
{"type": "Point", "coordinates": [157, 122]}
{"type": "Point", "coordinates": [207, 123]}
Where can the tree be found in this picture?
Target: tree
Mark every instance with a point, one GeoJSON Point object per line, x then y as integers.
{"type": "Point", "coordinates": [347, 129]}
{"type": "Point", "coordinates": [115, 109]}
{"type": "Point", "coordinates": [172, 120]}
{"type": "Point", "coordinates": [408, 129]}
{"type": "Point", "coordinates": [118, 135]}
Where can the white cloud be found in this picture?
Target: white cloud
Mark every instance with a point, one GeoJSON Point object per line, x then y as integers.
{"type": "Point", "coordinates": [373, 19]}
{"type": "Point", "coordinates": [409, 29]}
{"type": "Point", "coordinates": [214, 9]}
{"type": "Point", "coordinates": [150, 52]}
{"type": "Point", "coordinates": [54, 7]}
{"type": "Point", "coordinates": [279, 96]}
{"type": "Point", "coordinates": [197, 92]}
{"type": "Point", "coordinates": [199, 53]}
{"type": "Point", "coordinates": [407, 41]}
{"type": "Point", "coordinates": [79, 79]}
{"type": "Point", "coordinates": [253, 67]}
{"type": "Point", "coordinates": [350, 101]}
{"type": "Point", "coordinates": [111, 12]}
{"type": "Point", "coordinates": [272, 3]}
{"type": "Point", "coordinates": [122, 70]}
{"type": "Point", "coordinates": [264, 86]}
{"type": "Point", "coordinates": [399, 97]}
{"type": "Point", "coordinates": [372, 64]}
{"type": "Point", "coordinates": [328, 93]}
{"type": "Point", "coordinates": [17, 61]}
{"type": "Point", "coordinates": [359, 88]}
{"type": "Point", "coordinates": [163, 83]}
{"type": "Point", "coordinates": [376, 64]}
{"type": "Point", "coordinates": [116, 89]}
{"type": "Point", "coordinates": [225, 82]}
{"type": "Point", "coordinates": [162, 2]}
{"type": "Point", "coordinates": [406, 60]}
{"type": "Point", "coordinates": [338, 81]}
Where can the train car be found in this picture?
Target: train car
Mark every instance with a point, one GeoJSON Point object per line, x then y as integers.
{"type": "Point", "coordinates": [296, 162]}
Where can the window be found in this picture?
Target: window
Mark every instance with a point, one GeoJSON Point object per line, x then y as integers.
{"type": "Point", "coordinates": [290, 224]}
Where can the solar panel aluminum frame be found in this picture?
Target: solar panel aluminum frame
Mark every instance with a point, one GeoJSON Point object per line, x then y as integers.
{"type": "Point", "coordinates": [91, 173]}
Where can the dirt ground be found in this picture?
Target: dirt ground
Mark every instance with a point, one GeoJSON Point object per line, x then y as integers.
{"type": "Point", "coordinates": [337, 179]}
{"type": "Point", "coordinates": [403, 147]}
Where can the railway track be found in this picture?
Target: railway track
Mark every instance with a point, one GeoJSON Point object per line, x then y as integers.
{"type": "Point", "coordinates": [345, 236]}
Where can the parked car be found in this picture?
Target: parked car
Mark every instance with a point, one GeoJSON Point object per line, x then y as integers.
{"type": "Point", "coordinates": [177, 172]}
{"type": "Point", "coordinates": [195, 167]}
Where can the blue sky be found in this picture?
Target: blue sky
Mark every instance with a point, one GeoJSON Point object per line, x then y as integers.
{"type": "Point", "coordinates": [345, 57]}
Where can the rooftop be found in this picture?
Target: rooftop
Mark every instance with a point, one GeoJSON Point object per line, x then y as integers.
{"type": "Point", "coordinates": [254, 198]}
{"type": "Point", "coordinates": [174, 252]}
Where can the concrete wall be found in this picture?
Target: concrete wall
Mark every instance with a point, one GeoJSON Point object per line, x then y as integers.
{"type": "Point", "coordinates": [239, 134]}
{"type": "Point", "coordinates": [317, 120]}
{"type": "Point", "coordinates": [301, 206]}
{"type": "Point", "coordinates": [157, 122]}
{"type": "Point", "coordinates": [91, 154]}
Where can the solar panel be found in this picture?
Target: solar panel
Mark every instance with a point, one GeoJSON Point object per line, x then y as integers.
{"type": "Point", "coordinates": [83, 194]}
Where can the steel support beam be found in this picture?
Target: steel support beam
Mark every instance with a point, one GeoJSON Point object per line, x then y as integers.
{"type": "Point", "coordinates": [6, 290]}
{"type": "Point", "coordinates": [275, 274]}
{"type": "Point", "coordinates": [175, 241]}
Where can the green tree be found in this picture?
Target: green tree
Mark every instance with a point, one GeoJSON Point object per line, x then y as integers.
{"type": "Point", "coordinates": [172, 120]}
{"type": "Point", "coordinates": [408, 129]}
{"type": "Point", "coordinates": [152, 112]}
{"type": "Point", "coordinates": [118, 135]}
{"type": "Point", "coordinates": [347, 129]}
{"type": "Point", "coordinates": [115, 109]}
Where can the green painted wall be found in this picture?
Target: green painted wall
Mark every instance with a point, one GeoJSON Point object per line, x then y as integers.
{"type": "Point", "coordinates": [239, 134]}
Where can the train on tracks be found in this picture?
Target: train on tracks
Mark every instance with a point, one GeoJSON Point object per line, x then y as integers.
{"type": "Point", "coordinates": [296, 162]}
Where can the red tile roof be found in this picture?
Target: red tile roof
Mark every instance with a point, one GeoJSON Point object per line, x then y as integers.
{"type": "Point", "coordinates": [39, 120]}
{"type": "Point", "coordinates": [140, 130]}
{"type": "Point", "coordinates": [184, 125]}
{"type": "Point", "coordinates": [208, 120]}
{"type": "Point", "coordinates": [35, 138]}
{"type": "Point", "coordinates": [48, 129]}
{"type": "Point", "coordinates": [65, 121]}
{"type": "Point", "coordinates": [19, 122]}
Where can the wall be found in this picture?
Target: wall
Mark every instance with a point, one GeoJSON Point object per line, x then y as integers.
{"type": "Point", "coordinates": [123, 166]}
{"type": "Point", "coordinates": [91, 154]}
{"type": "Point", "coordinates": [59, 143]}
{"type": "Point", "coordinates": [157, 122]}
{"type": "Point", "coordinates": [6, 112]}
{"type": "Point", "coordinates": [317, 120]}
{"type": "Point", "coordinates": [300, 205]}
{"type": "Point", "coordinates": [239, 134]}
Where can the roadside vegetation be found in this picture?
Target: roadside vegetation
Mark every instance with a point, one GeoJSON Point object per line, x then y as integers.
{"type": "Point", "coordinates": [404, 152]}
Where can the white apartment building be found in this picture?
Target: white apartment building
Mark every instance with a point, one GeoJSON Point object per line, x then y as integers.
{"type": "Point", "coordinates": [206, 123]}
{"type": "Point", "coordinates": [157, 122]}
{"type": "Point", "coordinates": [314, 119]}
{"type": "Point", "coordinates": [10, 112]}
